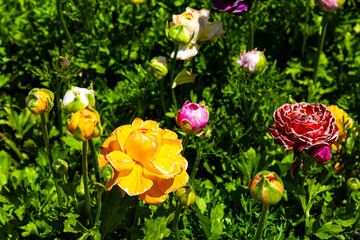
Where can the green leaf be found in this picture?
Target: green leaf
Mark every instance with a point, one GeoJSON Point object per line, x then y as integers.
{"type": "Point", "coordinates": [73, 225]}
{"type": "Point", "coordinates": [29, 229]}
{"type": "Point", "coordinates": [155, 229]}
{"type": "Point", "coordinates": [217, 225]}
{"type": "Point", "coordinates": [70, 141]}
{"type": "Point", "coordinates": [5, 160]}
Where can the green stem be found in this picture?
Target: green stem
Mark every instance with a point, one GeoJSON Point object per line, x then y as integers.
{"type": "Point", "coordinates": [85, 178]}
{"type": "Point", "coordinates": [324, 24]}
{"type": "Point", "coordinates": [59, 111]}
{"type": "Point", "coordinates": [260, 229]}
{"type": "Point", "coordinates": [94, 159]}
{"type": "Point", "coordinates": [185, 142]}
{"type": "Point", "coordinates": [196, 166]}
{"type": "Point", "coordinates": [47, 145]}
{"type": "Point", "coordinates": [133, 22]}
{"type": "Point", "coordinates": [162, 98]}
{"type": "Point", "coordinates": [176, 222]}
{"type": "Point", "coordinates": [305, 33]}
{"type": "Point", "coordinates": [98, 212]}
{"type": "Point", "coordinates": [12, 145]}
{"type": "Point", "coordinates": [172, 77]}
{"type": "Point", "coordinates": [63, 23]}
{"type": "Point", "coordinates": [251, 32]}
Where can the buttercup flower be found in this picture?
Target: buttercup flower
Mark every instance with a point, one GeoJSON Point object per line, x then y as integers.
{"type": "Point", "coordinates": [160, 66]}
{"type": "Point", "coordinates": [146, 161]}
{"type": "Point", "coordinates": [40, 100]}
{"type": "Point", "coordinates": [192, 117]}
{"type": "Point", "coordinates": [84, 124]}
{"type": "Point", "coordinates": [196, 23]}
{"type": "Point", "coordinates": [267, 188]}
{"type": "Point", "coordinates": [77, 98]}
{"type": "Point", "coordinates": [253, 61]}
{"type": "Point", "coordinates": [330, 5]}
{"type": "Point", "coordinates": [232, 6]}
{"type": "Point", "coordinates": [304, 126]}
{"type": "Point", "coordinates": [343, 121]}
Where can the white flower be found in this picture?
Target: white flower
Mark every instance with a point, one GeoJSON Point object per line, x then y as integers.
{"type": "Point", "coordinates": [77, 98]}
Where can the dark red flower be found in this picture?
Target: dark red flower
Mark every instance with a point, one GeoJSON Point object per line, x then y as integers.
{"type": "Point", "coordinates": [304, 126]}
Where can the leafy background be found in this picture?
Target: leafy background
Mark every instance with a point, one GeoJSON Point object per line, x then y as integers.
{"type": "Point", "coordinates": [32, 38]}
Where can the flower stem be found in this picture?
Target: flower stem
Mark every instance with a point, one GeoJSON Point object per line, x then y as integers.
{"type": "Point", "coordinates": [98, 212]}
{"type": "Point", "coordinates": [250, 45]}
{"type": "Point", "coordinates": [47, 145]}
{"type": "Point", "coordinates": [12, 145]}
{"type": "Point", "coordinates": [185, 142]}
{"type": "Point", "coordinates": [85, 178]}
{"type": "Point", "coordinates": [312, 86]}
{"type": "Point", "coordinates": [176, 222]}
{"type": "Point", "coordinates": [172, 76]}
{"type": "Point", "coordinates": [133, 22]}
{"type": "Point", "coordinates": [260, 229]}
{"type": "Point", "coordinates": [196, 166]}
{"type": "Point", "coordinates": [94, 162]}
{"type": "Point", "coordinates": [63, 23]}
{"type": "Point", "coordinates": [59, 111]}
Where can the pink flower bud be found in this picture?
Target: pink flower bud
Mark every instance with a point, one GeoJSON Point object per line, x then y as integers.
{"type": "Point", "coordinates": [192, 117]}
{"type": "Point", "coordinates": [321, 155]}
{"type": "Point", "coordinates": [253, 61]}
{"type": "Point", "coordinates": [330, 5]}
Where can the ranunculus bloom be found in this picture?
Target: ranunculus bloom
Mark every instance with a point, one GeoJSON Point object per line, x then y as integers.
{"type": "Point", "coordinates": [253, 61]}
{"type": "Point", "coordinates": [304, 126]}
{"type": "Point", "coordinates": [196, 22]}
{"type": "Point", "coordinates": [40, 100]}
{"type": "Point", "coordinates": [232, 6]}
{"type": "Point", "coordinates": [330, 5]}
{"type": "Point", "coordinates": [321, 155]}
{"type": "Point", "coordinates": [146, 161]}
{"type": "Point", "coordinates": [84, 124]}
{"type": "Point", "coordinates": [192, 117]}
{"type": "Point", "coordinates": [343, 121]}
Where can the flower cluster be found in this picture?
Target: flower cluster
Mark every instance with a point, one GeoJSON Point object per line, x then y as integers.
{"type": "Point", "coordinates": [305, 126]}
{"type": "Point", "coordinates": [195, 28]}
{"type": "Point", "coordinates": [146, 161]}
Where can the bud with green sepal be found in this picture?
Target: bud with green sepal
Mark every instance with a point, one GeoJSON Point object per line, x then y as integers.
{"type": "Point", "coordinates": [267, 188]}
{"type": "Point", "coordinates": [253, 61]}
{"type": "Point", "coordinates": [40, 100]}
{"type": "Point", "coordinates": [160, 66]}
{"type": "Point", "coordinates": [107, 172]}
{"type": "Point", "coordinates": [60, 166]}
{"type": "Point", "coordinates": [353, 184]}
{"type": "Point", "coordinates": [77, 98]}
{"type": "Point", "coordinates": [179, 34]}
{"type": "Point", "coordinates": [186, 196]}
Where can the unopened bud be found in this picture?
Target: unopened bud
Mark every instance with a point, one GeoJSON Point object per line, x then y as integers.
{"type": "Point", "coordinates": [60, 166]}
{"type": "Point", "coordinates": [160, 66]}
{"type": "Point", "coordinates": [40, 100]}
{"type": "Point", "coordinates": [186, 196]}
{"type": "Point", "coordinates": [267, 188]}
{"type": "Point", "coordinates": [179, 34]}
{"type": "Point", "coordinates": [107, 172]}
{"type": "Point", "coordinates": [353, 184]}
{"type": "Point", "coordinates": [253, 61]}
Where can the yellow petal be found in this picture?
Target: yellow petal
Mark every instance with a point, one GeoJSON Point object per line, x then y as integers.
{"type": "Point", "coordinates": [135, 183]}
{"type": "Point", "coordinates": [101, 157]}
{"type": "Point", "coordinates": [120, 160]}
{"type": "Point", "coordinates": [151, 125]}
{"type": "Point", "coordinates": [136, 124]}
{"type": "Point", "coordinates": [157, 175]}
{"type": "Point", "coordinates": [121, 134]}
{"type": "Point", "coordinates": [177, 182]}
{"type": "Point", "coordinates": [116, 178]}
{"type": "Point", "coordinates": [141, 145]}
{"type": "Point", "coordinates": [168, 134]}
{"type": "Point", "coordinates": [154, 195]}
{"type": "Point", "coordinates": [108, 140]}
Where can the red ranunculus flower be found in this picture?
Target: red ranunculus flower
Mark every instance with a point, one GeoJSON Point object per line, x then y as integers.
{"type": "Point", "coordinates": [304, 126]}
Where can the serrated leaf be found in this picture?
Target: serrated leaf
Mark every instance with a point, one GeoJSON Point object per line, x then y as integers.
{"type": "Point", "coordinates": [5, 163]}
{"type": "Point", "coordinates": [155, 229]}
{"type": "Point", "coordinates": [73, 225]}
{"type": "Point", "coordinates": [217, 225]}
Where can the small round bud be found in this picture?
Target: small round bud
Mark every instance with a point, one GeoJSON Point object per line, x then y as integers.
{"type": "Point", "coordinates": [179, 34]}
{"type": "Point", "coordinates": [321, 155]}
{"type": "Point", "coordinates": [253, 61]}
{"type": "Point", "coordinates": [160, 66]}
{"type": "Point", "coordinates": [84, 124]}
{"type": "Point", "coordinates": [353, 184]}
{"type": "Point", "coordinates": [77, 98]}
{"type": "Point", "coordinates": [60, 166]}
{"type": "Point", "coordinates": [267, 188]}
{"type": "Point", "coordinates": [192, 117]}
{"type": "Point", "coordinates": [107, 172]}
{"type": "Point", "coordinates": [40, 100]}
{"type": "Point", "coordinates": [64, 61]}
{"type": "Point", "coordinates": [186, 196]}
{"type": "Point", "coordinates": [330, 5]}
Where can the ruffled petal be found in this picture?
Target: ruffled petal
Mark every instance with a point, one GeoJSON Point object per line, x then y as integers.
{"type": "Point", "coordinates": [101, 157]}
{"type": "Point", "coordinates": [168, 134]}
{"type": "Point", "coordinates": [154, 195]}
{"type": "Point", "coordinates": [122, 134]}
{"type": "Point", "coordinates": [175, 183]}
{"type": "Point", "coordinates": [135, 183]}
{"type": "Point", "coordinates": [137, 123]}
{"type": "Point", "coordinates": [120, 160]}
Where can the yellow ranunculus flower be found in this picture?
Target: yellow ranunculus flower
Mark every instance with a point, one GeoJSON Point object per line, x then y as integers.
{"type": "Point", "coordinates": [146, 161]}
{"type": "Point", "coordinates": [84, 124]}
{"type": "Point", "coordinates": [343, 121]}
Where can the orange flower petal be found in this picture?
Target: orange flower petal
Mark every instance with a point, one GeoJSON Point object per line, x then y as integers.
{"type": "Point", "coordinates": [135, 183]}
{"type": "Point", "coordinates": [151, 125]}
{"type": "Point", "coordinates": [154, 195]}
{"type": "Point", "coordinates": [158, 176]}
{"type": "Point", "coordinates": [121, 134]}
{"type": "Point", "coordinates": [175, 183]}
{"type": "Point", "coordinates": [120, 161]}
{"type": "Point", "coordinates": [108, 140]}
{"type": "Point", "coordinates": [136, 124]}
{"type": "Point", "coordinates": [101, 157]}
{"type": "Point", "coordinates": [168, 134]}
{"type": "Point", "coordinates": [117, 177]}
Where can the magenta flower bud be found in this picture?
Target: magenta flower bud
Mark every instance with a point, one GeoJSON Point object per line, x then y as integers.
{"type": "Point", "coordinates": [192, 117]}
{"type": "Point", "coordinates": [321, 155]}
{"type": "Point", "coordinates": [330, 5]}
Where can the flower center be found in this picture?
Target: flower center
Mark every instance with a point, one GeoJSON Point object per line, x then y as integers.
{"type": "Point", "coordinates": [193, 106]}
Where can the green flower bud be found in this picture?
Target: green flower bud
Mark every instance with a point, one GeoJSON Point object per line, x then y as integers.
{"type": "Point", "coordinates": [267, 188]}
{"type": "Point", "coordinates": [186, 196]}
{"type": "Point", "coordinates": [353, 184]}
{"type": "Point", "coordinates": [40, 100]}
{"type": "Point", "coordinates": [253, 61]}
{"type": "Point", "coordinates": [160, 66]}
{"type": "Point", "coordinates": [107, 172]}
{"type": "Point", "coordinates": [179, 34]}
{"type": "Point", "coordinates": [60, 166]}
{"type": "Point", "coordinates": [77, 98]}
